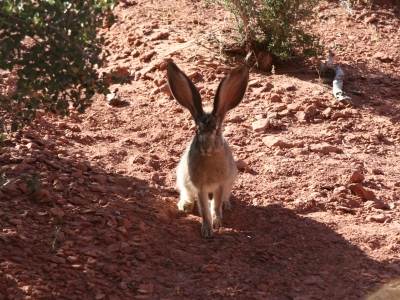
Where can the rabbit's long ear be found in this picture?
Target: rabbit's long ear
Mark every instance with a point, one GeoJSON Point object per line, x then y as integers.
{"type": "Point", "coordinates": [230, 91]}
{"type": "Point", "coordinates": [183, 90]}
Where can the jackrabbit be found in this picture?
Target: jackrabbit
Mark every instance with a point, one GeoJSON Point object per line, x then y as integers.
{"type": "Point", "coordinates": [207, 169]}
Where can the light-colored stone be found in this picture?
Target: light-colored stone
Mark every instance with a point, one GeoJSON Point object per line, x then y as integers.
{"type": "Point", "coordinates": [260, 125]}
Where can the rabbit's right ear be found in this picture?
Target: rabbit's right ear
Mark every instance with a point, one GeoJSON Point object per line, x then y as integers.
{"type": "Point", "coordinates": [183, 90]}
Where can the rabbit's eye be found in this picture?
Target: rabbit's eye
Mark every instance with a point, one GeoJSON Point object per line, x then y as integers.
{"type": "Point", "coordinates": [217, 132]}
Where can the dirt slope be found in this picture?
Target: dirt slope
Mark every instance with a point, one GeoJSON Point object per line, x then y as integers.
{"type": "Point", "coordinates": [106, 224]}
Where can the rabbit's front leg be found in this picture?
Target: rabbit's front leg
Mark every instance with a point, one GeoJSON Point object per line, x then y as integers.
{"type": "Point", "coordinates": [186, 201]}
{"type": "Point", "coordinates": [204, 208]}
{"type": "Point", "coordinates": [216, 207]}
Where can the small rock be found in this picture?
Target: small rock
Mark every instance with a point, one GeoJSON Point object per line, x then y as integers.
{"type": "Point", "coordinates": [97, 188]}
{"type": "Point", "coordinates": [114, 99]}
{"type": "Point", "coordinates": [166, 90]}
{"type": "Point", "coordinates": [377, 172]}
{"type": "Point", "coordinates": [260, 125]}
{"type": "Point", "coordinates": [336, 115]}
{"type": "Point", "coordinates": [311, 110]}
{"type": "Point", "coordinates": [75, 200]}
{"type": "Point", "coordinates": [253, 83]}
{"type": "Point", "coordinates": [58, 259]}
{"type": "Point", "coordinates": [242, 165]}
{"type": "Point", "coordinates": [288, 86]}
{"type": "Point", "coordinates": [327, 112]}
{"type": "Point", "coordinates": [56, 212]}
{"type": "Point", "coordinates": [146, 57]}
{"type": "Point", "coordinates": [263, 287]}
{"type": "Point", "coordinates": [362, 192]}
{"type": "Point", "coordinates": [11, 189]}
{"type": "Point", "coordinates": [122, 285]}
{"type": "Point", "coordinates": [325, 148]}
{"type": "Point", "coordinates": [147, 287]}
{"type": "Point", "coordinates": [15, 221]}
{"type": "Point", "coordinates": [159, 35]}
{"type": "Point", "coordinates": [340, 190]}
{"type": "Point", "coordinates": [383, 57]}
{"type": "Point", "coordinates": [357, 177]}
{"type": "Point", "coordinates": [377, 204]}
{"type": "Point", "coordinates": [377, 218]}
{"type": "Point", "coordinates": [75, 128]}
{"type": "Point", "coordinates": [99, 178]}
{"type": "Point", "coordinates": [72, 259]}
{"type": "Point", "coordinates": [209, 268]}
{"type": "Point", "coordinates": [158, 81]}
{"type": "Point", "coordinates": [141, 256]}
{"type": "Point", "coordinates": [155, 177]}
{"type": "Point", "coordinates": [110, 269]}
{"type": "Point", "coordinates": [293, 107]}
{"type": "Point", "coordinates": [272, 141]}
{"type": "Point", "coordinates": [125, 223]}
{"type": "Point", "coordinates": [135, 53]}
{"type": "Point", "coordinates": [275, 98]}
{"type": "Point", "coordinates": [32, 146]}
{"type": "Point", "coordinates": [275, 220]}
{"type": "Point", "coordinates": [301, 116]}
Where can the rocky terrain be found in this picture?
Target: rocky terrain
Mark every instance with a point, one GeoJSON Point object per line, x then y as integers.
{"type": "Point", "coordinates": [315, 208]}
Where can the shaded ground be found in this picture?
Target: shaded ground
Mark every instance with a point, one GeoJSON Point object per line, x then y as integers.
{"type": "Point", "coordinates": [106, 225]}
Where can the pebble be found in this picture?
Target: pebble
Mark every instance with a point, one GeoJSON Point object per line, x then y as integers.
{"type": "Point", "coordinates": [99, 178]}
{"type": "Point", "coordinates": [58, 260]}
{"type": "Point", "coordinates": [56, 212]}
{"type": "Point", "coordinates": [275, 98]}
{"type": "Point", "coordinates": [362, 192]}
{"type": "Point", "coordinates": [15, 221]}
{"type": "Point", "coordinates": [336, 115]}
{"type": "Point", "coordinates": [114, 99]}
{"type": "Point", "coordinates": [146, 57]}
{"type": "Point", "coordinates": [383, 57]}
{"type": "Point", "coordinates": [242, 165]}
{"type": "Point", "coordinates": [260, 125]}
{"type": "Point", "coordinates": [209, 268]}
{"type": "Point", "coordinates": [327, 112]}
{"type": "Point", "coordinates": [293, 107]}
{"type": "Point", "coordinates": [325, 148]}
{"type": "Point", "coordinates": [340, 190]}
{"type": "Point", "coordinates": [124, 223]}
{"type": "Point", "coordinates": [275, 220]}
{"type": "Point", "coordinates": [377, 218]}
{"type": "Point", "coordinates": [357, 177]}
{"type": "Point", "coordinates": [158, 35]}
{"type": "Point", "coordinates": [11, 189]}
{"type": "Point", "coordinates": [141, 256]}
{"type": "Point", "coordinates": [311, 110]}
{"type": "Point", "coordinates": [165, 89]}
{"type": "Point", "coordinates": [97, 188]}
{"type": "Point", "coordinates": [147, 287]}
{"type": "Point", "coordinates": [375, 203]}
{"type": "Point", "coordinates": [272, 141]}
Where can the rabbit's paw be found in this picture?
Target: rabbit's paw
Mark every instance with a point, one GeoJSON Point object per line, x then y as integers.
{"type": "Point", "coordinates": [226, 205]}
{"type": "Point", "coordinates": [206, 230]}
{"type": "Point", "coordinates": [217, 222]}
{"type": "Point", "coordinates": [185, 206]}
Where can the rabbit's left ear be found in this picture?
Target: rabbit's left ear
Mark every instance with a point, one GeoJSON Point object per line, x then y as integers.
{"type": "Point", "coordinates": [184, 91]}
{"type": "Point", "coordinates": [230, 91]}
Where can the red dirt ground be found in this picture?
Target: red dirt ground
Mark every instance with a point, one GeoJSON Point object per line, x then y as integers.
{"type": "Point", "coordinates": [106, 224]}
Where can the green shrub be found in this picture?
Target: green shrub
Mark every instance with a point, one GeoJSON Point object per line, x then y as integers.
{"type": "Point", "coordinates": [53, 47]}
{"type": "Point", "coordinates": [274, 26]}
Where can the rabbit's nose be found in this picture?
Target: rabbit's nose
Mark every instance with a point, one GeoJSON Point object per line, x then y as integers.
{"type": "Point", "coordinates": [206, 151]}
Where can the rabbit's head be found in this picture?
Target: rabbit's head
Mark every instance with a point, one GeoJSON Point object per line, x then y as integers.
{"type": "Point", "coordinates": [230, 92]}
